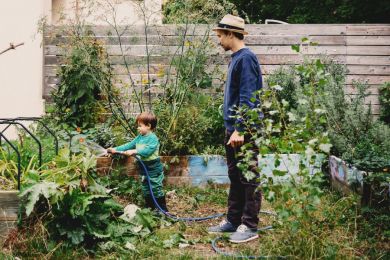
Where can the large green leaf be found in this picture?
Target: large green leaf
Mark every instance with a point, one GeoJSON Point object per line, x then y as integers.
{"type": "Point", "coordinates": [33, 193]}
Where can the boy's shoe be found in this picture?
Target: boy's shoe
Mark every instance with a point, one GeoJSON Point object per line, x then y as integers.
{"type": "Point", "coordinates": [149, 203]}
{"type": "Point", "coordinates": [243, 234]}
{"type": "Point", "coordinates": [162, 203]}
{"type": "Point", "coordinates": [223, 226]}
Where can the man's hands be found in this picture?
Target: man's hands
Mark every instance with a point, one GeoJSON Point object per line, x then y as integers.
{"type": "Point", "coordinates": [127, 153]}
{"type": "Point", "coordinates": [236, 139]}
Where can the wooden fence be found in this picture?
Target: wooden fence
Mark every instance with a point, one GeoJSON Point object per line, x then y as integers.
{"type": "Point", "coordinates": [364, 49]}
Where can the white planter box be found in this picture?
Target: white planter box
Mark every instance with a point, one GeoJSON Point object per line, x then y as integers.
{"type": "Point", "coordinates": [288, 163]}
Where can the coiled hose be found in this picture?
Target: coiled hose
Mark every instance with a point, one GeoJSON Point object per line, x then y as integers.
{"type": "Point", "coordinates": [169, 215]}
{"type": "Point", "coordinates": [213, 242]}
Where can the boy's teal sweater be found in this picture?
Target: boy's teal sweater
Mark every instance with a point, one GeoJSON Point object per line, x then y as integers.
{"type": "Point", "coordinates": [147, 146]}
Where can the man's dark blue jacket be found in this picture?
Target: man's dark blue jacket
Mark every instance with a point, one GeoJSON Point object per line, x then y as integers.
{"type": "Point", "coordinates": [243, 79]}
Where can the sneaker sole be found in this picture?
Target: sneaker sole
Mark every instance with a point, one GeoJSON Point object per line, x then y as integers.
{"type": "Point", "coordinates": [244, 241]}
{"type": "Point", "coordinates": [219, 232]}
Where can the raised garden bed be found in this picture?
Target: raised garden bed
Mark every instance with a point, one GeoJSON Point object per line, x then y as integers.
{"type": "Point", "coordinates": [9, 204]}
{"type": "Point", "coordinates": [179, 170]}
{"type": "Point", "coordinates": [198, 170]}
{"type": "Point", "coordinates": [344, 177]}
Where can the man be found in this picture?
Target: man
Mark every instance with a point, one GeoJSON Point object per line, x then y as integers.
{"type": "Point", "coordinates": [243, 79]}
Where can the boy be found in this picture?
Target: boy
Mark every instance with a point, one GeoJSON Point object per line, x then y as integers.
{"type": "Point", "coordinates": [146, 145]}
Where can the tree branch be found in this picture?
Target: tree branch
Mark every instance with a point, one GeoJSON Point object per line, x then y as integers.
{"type": "Point", "coordinates": [12, 47]}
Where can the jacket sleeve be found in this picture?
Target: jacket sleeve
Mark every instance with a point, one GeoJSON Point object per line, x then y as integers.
{"type": "Point", "coordinates": [127, 146]}
{"type": "Point", "coordinates": [250, 81]}
{"type": "Point", "coordinates": [149, 147]}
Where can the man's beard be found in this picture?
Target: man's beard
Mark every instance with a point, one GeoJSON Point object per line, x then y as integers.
{"type": "Point", "coordinates": [226, 48]}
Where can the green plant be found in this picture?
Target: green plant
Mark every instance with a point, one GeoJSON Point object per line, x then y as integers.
{"type": "Point", "coordinates": [384, 100]}
{"type": "Point", "coordinates": [276, 128]}
{"type": "Point", "coordinates": [192, 65]}
{"type": "Point", "coordinates": [78, 99]}
{"type": "Point", "coordinates": [194, 128]}
{"type": "Point", "coordinates": [318, 89]}
{"type": "Point", "coordinates": [8, 172]}
{"type": "Point", "coordinates": [337, 230]}
{"type": "Point", "coordinates": [286, 77]}
{"type": "Point", "coordinates": [185, 113]}
{"type": "Point", "coordinates": [355, 135]}
{"type": "Point", "coordinates": [78, 209]}
{"type": "Point", "coordinates": [198, 11]}
{"type": "Point", "coordinates": [9, 168]}
{"type": "Point", "coordinates": [186, 77]}
{"type": "Point", "coordinates": [123, 186]}
{"type": "Point", "coordinates": [372, 151]}
{"type": "Point", "coordinates": [191, 76]}
{"type": "Point", "coordinates": [313, 11]}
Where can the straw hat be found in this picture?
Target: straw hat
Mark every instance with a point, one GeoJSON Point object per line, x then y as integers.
{"type": "Point", "coordinates": [232, 23]}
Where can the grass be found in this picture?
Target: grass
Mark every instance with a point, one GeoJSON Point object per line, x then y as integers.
{"type": "Point", "coordinates": [335, 232]}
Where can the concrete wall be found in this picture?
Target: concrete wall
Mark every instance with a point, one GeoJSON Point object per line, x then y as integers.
{"type": "Point", "coordinates": [21, 69]}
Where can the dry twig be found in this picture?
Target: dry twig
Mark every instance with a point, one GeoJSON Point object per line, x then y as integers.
{"type": "Point", "coordinates": [12, 47]}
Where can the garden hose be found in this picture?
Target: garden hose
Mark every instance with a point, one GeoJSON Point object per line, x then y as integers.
{"type": "Point", "coordinates": [213, 242]}
{"type": "Point", "coordinates": [169, 215]}
{"type": "Point", "coordinates": [173, 216]}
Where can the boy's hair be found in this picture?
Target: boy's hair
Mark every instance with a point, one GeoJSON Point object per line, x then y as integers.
{"type": "Point", "coordinates": [147, 118]}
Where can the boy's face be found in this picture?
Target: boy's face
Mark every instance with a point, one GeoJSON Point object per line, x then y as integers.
{"type": "Point", "coordinates": [144, 129]}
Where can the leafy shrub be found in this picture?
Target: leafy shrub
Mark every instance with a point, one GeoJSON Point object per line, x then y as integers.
{"type": "Point", "coordinates": [188, 117]}
{"type": "Point", "coordinates": [384, 100]}
{"type": "Point", "coordinates": [29, 157]}
{"type": "Point", "coordinates": [355, 135]}
{"type": "Point", "coordinates": [308, 11]}
{"type": "Point", "coordinates": [78, 99]}
{"type": "Point", "coordinates": [198, 11]}
{"type": "Point", "coordinates": [78, 209]}
{"type": "Point", "coordinates": [297, 199]}
{"type": "Point", "coordinates": [196, 126]}
{"type": "Point", "coordinates": [276, 128]}
{"type": "Point", "coordinates": [372, 152]}
{"type": "Point", "coordinates": [286, 77]}
{"type": "Point", "coordinates": [123, 186]}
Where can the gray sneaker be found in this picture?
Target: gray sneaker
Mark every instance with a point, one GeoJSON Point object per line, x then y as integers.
{"type": "Point", "coordinates": [243, 234]}
{"type": "Point", "coordinates": [223, 226]}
